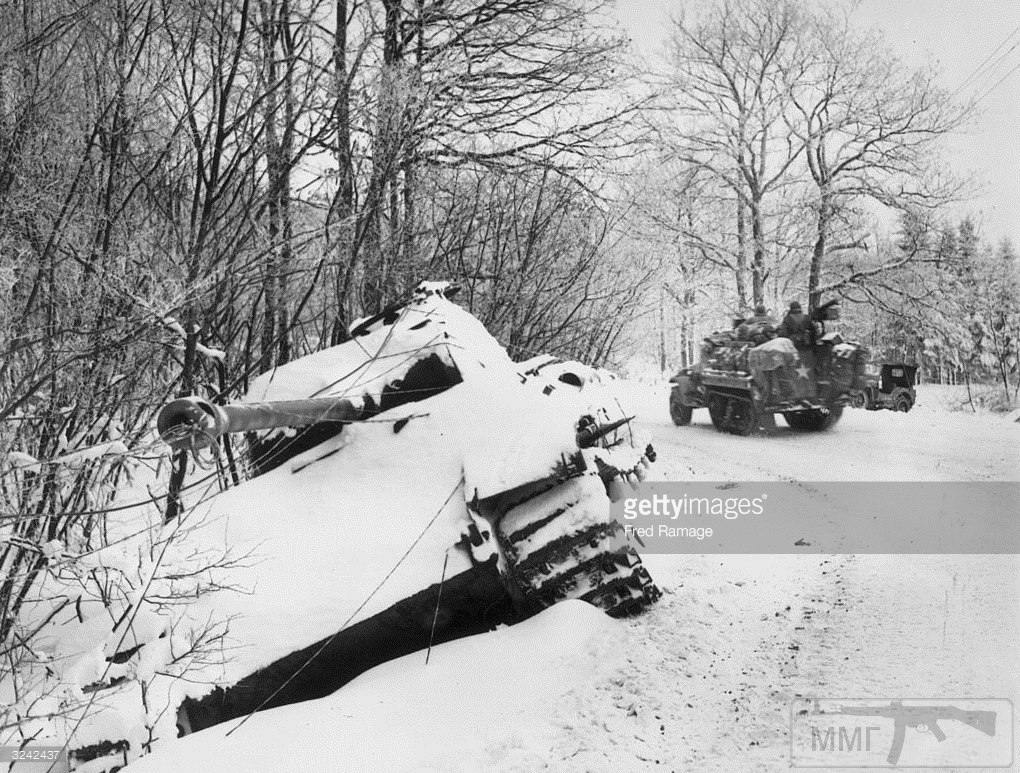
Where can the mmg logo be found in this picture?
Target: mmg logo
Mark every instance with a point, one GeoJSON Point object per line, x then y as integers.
{"type": "Point", "coordinates": [847, 742]}
{"type": "Point", "coordinates": [868, 733]}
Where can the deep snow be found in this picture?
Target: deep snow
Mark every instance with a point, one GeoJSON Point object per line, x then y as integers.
{"type": "Point", "coordinates": [336, 534]}
{"type": "Point", "coordinates": [471, 708]}
{"type": "Point", "coordinates": [704, 679]}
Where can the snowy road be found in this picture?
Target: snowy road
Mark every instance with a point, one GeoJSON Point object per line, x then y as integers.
{"type": "Point", "coordinates": [705, 680]}
{"type": "Point", "coordinates": [707, 676]}
{"type": "Point", "coordinates": [927, 444]}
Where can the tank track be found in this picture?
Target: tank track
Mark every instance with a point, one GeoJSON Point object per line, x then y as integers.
{"type": "Point", "coordinates": [564, 544]}
{"type": "Point", "coordinates": [733, 413]}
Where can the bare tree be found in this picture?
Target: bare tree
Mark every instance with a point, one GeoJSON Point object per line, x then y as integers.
{"type": "Point", "coordinates": [870, 129]}
{"type": "Point", "coordinates": [542, 261]}
{"type": "Point", "coordinates": [482, 83]}
{"type": "Point", "coordinates": [730, 90]}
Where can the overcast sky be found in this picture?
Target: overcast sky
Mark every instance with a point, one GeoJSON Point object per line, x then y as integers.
{"type": "Point", "coordinates": [958, 36]}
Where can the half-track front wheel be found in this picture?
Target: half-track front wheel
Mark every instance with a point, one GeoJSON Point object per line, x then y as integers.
{"type": "Point", "coordinates": [680, 413]}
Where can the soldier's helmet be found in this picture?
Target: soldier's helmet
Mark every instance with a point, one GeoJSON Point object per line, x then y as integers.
{"type": "Point", "coordinates": [795, 307]}
{"type": "Point", "coordinates": [760, 310]}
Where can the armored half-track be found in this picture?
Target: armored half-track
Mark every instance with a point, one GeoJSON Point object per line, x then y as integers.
{"type": "Point", "coordinates": [748, 375]}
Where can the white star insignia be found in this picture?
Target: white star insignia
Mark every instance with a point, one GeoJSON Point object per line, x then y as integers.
{"type": "Point", "coordinates": [803, 371]}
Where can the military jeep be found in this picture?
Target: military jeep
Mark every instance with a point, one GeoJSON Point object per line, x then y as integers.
{"type": "Point", "coordinates": [889, 386]}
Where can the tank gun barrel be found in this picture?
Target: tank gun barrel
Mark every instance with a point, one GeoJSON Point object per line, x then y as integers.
{"type": "Point", "coordinates": [190, 422]}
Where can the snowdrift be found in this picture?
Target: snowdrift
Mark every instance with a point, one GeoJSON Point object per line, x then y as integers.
{"type": "Point", "coordinates": [465, 709]}
{"type": "Point", "coordinates": [453, 496]}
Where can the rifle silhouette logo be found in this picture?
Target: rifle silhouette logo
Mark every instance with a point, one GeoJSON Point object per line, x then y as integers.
{"type": "Point", "coordinates": [922, 718]}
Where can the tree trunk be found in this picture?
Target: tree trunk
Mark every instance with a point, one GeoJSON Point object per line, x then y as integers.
{"type": "Point", "coordinates": [382, 193]}
{"type": "Point", "coordinates": [284, 189]}
{"type": "Point", "coordinates": [758, 265]}
{"type": "Point", "coordinates": [741, 256]}
{"type": "Point", "coordinates": [818, 253]}
{"type": "Point", "coordinates": [342, 209]}
{"type": "Point", "coordinates": [271, 265]}
{"type": "Point", "coordinates": [662, 331]}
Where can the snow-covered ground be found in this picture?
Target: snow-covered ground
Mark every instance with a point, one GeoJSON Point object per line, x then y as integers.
{"type": "Point", "coordinates": [480, 703]}
{"type": "Point", "coordinates": [703, 681]}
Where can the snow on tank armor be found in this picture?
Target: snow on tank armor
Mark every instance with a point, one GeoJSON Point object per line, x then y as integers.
{"type": "Point", "coordinates": [555, 532]}
{"type": "Point", "coordinates": [354, 454]}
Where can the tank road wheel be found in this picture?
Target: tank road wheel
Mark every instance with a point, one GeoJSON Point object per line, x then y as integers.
{"type": "Point", "coordinates": [563, 544]}
{"type": "Point", "coordinates": [814, 420]}
{"type": "Point", "coordinates": [717, 411]}
{"type": "Point", "coordinates": [680, 413]}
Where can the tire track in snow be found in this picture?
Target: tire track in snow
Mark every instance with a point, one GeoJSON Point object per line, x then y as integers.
{"type": "Point", "coordinates": [705, 678]}
{"type": "Point", "coordinates": [694, 686]}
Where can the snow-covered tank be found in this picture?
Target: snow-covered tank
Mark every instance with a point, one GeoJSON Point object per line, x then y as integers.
{"type": "Point", "coordinates": [408, 487]}
{"type": "Point", "coordinates": [568, 439]}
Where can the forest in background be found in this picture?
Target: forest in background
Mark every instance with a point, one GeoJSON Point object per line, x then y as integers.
{"type": "Point", "coordinates": [795, 157]}
{"type": "Point", "coordinates": [193, 192]}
